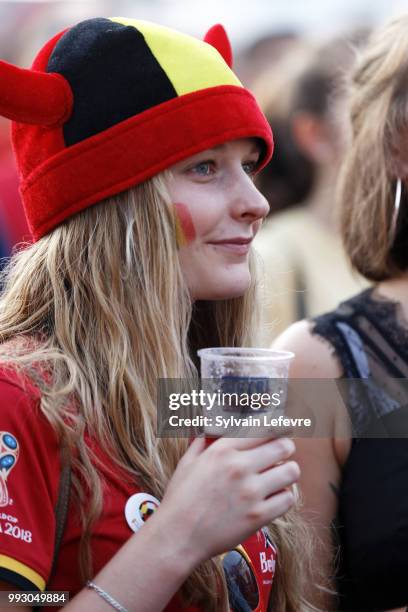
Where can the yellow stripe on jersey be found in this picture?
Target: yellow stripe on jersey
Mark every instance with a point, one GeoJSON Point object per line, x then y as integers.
{"type": "Point", "coordinates": [25, 571]}
{"type": "Point", "coordinates": [189, 56]}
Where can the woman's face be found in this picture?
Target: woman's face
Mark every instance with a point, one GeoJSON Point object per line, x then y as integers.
{"type": "Point", "coordinates": [219, 211]}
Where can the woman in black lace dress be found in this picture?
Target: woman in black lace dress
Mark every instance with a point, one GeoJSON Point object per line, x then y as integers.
{"type": "Point", "coordinates": [360, 483]}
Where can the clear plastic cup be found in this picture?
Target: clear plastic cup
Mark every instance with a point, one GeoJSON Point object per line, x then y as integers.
{"type": "Point", "coordinates": [241, 372]}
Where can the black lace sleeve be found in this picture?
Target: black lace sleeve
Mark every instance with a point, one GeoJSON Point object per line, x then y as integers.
{"type": "Point", "coordinates": [333, 328]}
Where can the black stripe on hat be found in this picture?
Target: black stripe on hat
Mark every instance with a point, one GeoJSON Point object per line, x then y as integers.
{"type": "Point", "coordinates": [113, 75]}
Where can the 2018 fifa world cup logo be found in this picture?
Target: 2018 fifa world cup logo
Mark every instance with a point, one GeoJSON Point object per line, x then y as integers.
{"type": "Point", "coordinates": [9, 451]}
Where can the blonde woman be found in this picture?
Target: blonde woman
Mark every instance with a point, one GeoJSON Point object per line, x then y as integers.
{"type": "Point", "coordinates": [136, 146]}
{"type": "Point", "coordinates": [360, 483]}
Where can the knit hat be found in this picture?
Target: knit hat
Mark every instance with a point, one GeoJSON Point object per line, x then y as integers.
{"type": "Point", "coordinates": [109, 103]}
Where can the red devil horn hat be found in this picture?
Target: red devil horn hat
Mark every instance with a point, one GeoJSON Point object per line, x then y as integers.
{"type": "Point", "coordinates": [111, 102]}
{"type": "Point", "coordinates": [30, 96]}
{"type": "Point", "coordinates": [218, 38]}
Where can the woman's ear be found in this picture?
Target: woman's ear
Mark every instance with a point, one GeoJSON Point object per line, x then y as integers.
{"type": "Point", "coordinates": [312, 136]}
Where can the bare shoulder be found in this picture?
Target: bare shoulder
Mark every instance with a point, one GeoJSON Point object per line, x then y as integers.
{"type": "Point", "coordinates": [314, 356]}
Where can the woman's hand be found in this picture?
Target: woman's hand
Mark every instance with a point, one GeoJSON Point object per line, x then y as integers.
{"type": "Point", "coordinates": [220, 495]}
{"type": "Point", "coordinates": [216, 498]}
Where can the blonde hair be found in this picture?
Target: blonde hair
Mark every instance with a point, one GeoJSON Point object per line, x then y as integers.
{"type": "Point", "coordinates": [379, 121]}
{"type": "Point", "coordinates": [94, 313]}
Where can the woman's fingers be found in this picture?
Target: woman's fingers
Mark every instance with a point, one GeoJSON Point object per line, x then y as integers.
{"type": "Point", "coordinates": [269, 454]}
{"type": "Point", "coordinates": [195, 449]}
{"type": "Point", "coordinates": [277, 505]}
{"type": "Point", "coordinates": [278, 478]}
{"type": "Point", "coordinates": [231, 490]}
{"type": "Point", "coordinates": [197, 446]}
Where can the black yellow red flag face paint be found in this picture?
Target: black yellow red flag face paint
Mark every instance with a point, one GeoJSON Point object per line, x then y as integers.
{"type": "Point", "coordinates": [185, 230]}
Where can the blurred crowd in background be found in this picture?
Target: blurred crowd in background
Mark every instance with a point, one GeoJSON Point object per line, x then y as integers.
{"type": "Point", "coordinates": [299, 75]}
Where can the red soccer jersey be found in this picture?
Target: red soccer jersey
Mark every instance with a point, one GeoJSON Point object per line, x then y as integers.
{"type": "Point", "coordinates": [30, 468]}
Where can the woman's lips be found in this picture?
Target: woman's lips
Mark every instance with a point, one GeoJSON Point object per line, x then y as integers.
{"type": "Point", "coordinates": [238, 246]}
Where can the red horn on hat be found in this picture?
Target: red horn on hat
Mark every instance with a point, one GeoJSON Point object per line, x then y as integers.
{"type": "Point", "coordinates": [218, 38]}
{"type": "Point", "coordinates": [30, 96]}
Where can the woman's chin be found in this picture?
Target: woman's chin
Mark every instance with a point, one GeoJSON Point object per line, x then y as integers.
{"type": "Point", "coordinates": [226, 290]}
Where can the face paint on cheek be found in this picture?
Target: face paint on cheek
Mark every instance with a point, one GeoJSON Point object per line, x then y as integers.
{"type": "Point", "coordinates": [185, 230]}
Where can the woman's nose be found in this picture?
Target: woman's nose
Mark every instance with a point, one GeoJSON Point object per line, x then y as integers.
{"type": "Point", "coordinates": [249, 203]}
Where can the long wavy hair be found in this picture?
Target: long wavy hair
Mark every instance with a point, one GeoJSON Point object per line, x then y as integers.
{"type": "Point", "coordinates": [377, 156]}
{"type": "Point", "coordinates": [93, 314]}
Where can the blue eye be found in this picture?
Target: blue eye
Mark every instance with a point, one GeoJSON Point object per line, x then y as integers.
{"type": "Point", "coordinates": [204, 168]}
{"type": "Point", "coordinates": [250, 167]}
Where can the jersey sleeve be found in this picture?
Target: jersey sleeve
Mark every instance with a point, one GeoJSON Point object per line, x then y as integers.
{"type": "Point", "coordinates": [29, 475]}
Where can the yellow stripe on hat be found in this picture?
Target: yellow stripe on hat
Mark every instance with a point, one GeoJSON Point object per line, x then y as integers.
{"type": "Point", "coordinates": [23, 570]}
{"type": "Point", "coordinates": [189, 63]}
